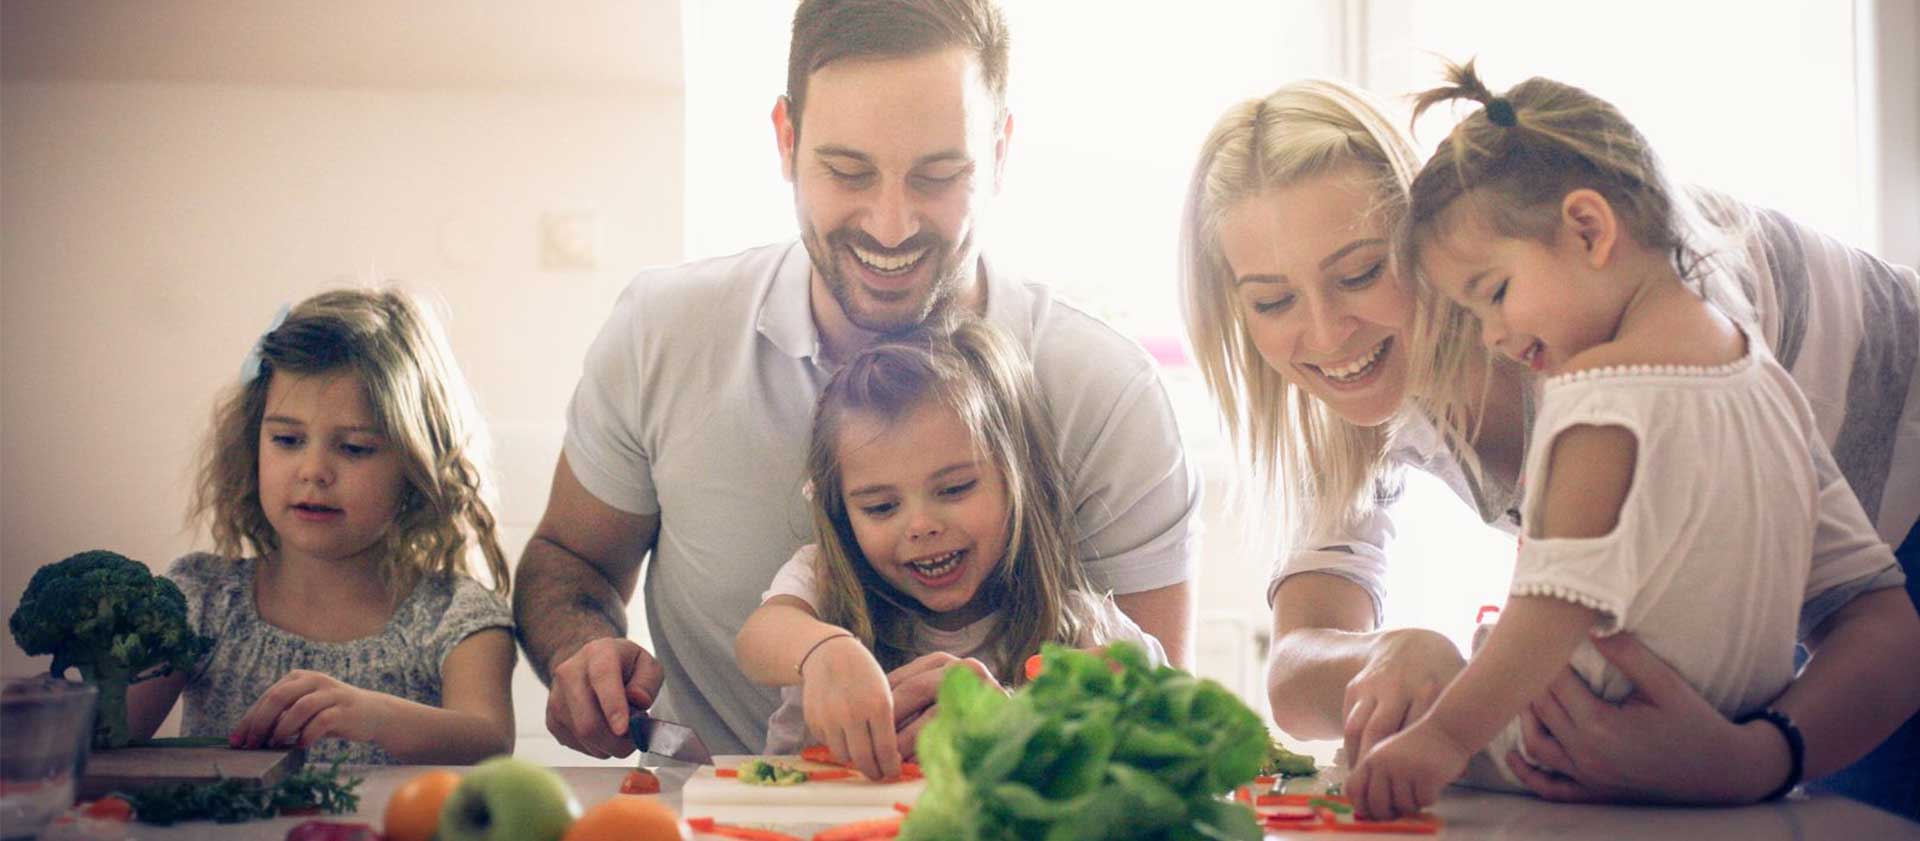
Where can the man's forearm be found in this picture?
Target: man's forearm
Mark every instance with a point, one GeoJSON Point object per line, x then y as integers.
{"type": "Point", "coordinates": [561, 603]}
{"type": "Point", "coordinates": [1860, 684]}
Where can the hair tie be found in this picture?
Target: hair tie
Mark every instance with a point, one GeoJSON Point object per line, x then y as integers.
{"type": "Point", "coordinates": [1500, 112]}
{"type": "Point", "coordinates": [250, 367]}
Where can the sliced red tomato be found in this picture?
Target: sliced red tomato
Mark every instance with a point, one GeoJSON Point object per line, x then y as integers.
{"type": "Point", "coordinates": [640, 781]}
{"type": "Point", "coordinates": [332, 831]}
{"type": "Point", "coordinates": [109, 809]}
{"type": "Point", "coordinates": [867, 830]}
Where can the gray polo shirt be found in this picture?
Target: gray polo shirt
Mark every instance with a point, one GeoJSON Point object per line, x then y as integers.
{"type": "Point", "coordinates": [696, 403]}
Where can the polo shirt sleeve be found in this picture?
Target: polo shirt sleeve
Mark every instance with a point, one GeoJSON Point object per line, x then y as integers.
{"type": "Point", "coordinates": [1358, 554]}
{"type": "Point", "coordinates": [1136, 497]}
{"type": "Point", "coordinates": [603, 446]}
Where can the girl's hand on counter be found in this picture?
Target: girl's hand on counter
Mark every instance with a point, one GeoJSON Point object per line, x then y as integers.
{"type": "Point", "coordinates": [1663, 743]}
{"type": "Point", "coordinates": [305, 707]}
{"type": "Point", "coordinates": [1405, 673]}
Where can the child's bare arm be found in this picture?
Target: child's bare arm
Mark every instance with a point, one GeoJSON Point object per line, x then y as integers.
{"type": "Point", "coordinates": [1528, 648]}
{"type": "Point", "coordinates": [475, 721]}
{"type": "Point", "coordinates": [149, 701]}
{"type": "Point", "coordinates": [778, 634]}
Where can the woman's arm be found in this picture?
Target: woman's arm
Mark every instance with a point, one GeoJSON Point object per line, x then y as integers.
{"type": "Point", "coordinates": [1332, 674]}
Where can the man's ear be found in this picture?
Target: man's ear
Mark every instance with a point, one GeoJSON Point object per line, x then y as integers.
{"type": "Point", "coordinates": [1588, 216]}
{"type": "Point", "coordinates": [1003, 138]}
{"type": "Point", "coordinates": [784, 135]}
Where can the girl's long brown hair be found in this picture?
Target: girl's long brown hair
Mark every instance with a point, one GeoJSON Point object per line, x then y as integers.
{"type": "Point", "coordinates": [973, 369]}
{"type": "Point", "coordinates": [406, 369]}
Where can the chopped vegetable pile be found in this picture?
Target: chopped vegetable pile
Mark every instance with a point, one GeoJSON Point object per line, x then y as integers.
{"type": "Point", "coordinates": [1285, 763]}
{"type": "Point", "coordinates": [1095, 747]}
{"type": "Point", "coordinates": [760, 772]}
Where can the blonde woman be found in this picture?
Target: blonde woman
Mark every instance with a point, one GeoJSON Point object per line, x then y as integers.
{"type": "Point", "coordinates": [1334, 373]}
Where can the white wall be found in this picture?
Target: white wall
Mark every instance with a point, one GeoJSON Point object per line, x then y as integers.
{"type": "Point", "coordinates": [151, 230]}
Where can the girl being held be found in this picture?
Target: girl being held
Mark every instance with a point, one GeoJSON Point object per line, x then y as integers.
{"type": "Point", "coordinates": [342, 485]}
{"type": "Point", "coordinates": [1676, 483]}
{"type": "Point", "coordinates": [940, 524]}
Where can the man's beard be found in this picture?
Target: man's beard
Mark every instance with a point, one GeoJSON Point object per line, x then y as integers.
{"type": "Point", "coordinates": [946, 278]}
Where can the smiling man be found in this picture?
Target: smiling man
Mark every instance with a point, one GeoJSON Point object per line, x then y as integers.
{"type": "Point", "coordinates": [687, 433]}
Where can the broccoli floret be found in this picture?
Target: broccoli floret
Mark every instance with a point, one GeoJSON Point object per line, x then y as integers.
{"type": "Point", "coordinates": [115, 621]}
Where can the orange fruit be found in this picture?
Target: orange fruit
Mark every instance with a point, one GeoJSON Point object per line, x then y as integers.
{"type": "Point", "coordinates": [628, 817]}
{"type": "Point", "coordinates": [413, 812]}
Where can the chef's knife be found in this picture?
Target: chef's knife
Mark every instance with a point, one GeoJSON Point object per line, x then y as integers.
{"type": "Point", "coordinates": [668, 740]}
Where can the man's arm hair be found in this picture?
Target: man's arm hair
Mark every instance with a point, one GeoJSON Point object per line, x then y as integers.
{"type": "Point", "coordinates": [578, 572]}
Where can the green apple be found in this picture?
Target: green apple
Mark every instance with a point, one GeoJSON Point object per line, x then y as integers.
{"type": "Point", "coordinates": [507, 799]}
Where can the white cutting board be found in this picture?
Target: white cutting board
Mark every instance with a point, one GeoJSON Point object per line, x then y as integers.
{"type": "Point", "coordinates": [728, 800]}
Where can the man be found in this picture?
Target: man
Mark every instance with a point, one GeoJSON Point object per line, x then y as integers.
{"type": "Point", "coordinates": [687, 433]}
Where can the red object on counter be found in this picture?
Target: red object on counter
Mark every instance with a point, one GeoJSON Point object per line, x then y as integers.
{"type": "Point", "coordinates": [867, 830]}
{"type": "Point", "coordinates": [332, 831]}
{"type": "Point", "coordinates": [640, 781]}
{"type": "Point", "coordinates": [708, 826]}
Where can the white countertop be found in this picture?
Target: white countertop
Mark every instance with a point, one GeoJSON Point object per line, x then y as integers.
{"type": "Point", "coordinates": [1469, 815]}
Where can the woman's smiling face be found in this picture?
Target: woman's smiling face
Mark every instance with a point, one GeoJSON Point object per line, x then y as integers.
{"type": "Point", "coordinates": [1313, 287]}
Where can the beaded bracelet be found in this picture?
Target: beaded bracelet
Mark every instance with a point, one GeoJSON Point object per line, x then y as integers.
{"type": "Point", "coordinates": [1796, 747]}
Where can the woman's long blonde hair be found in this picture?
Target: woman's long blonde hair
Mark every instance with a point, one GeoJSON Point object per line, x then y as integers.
{"type": "Point", "coordinates": [1324, 470]}
{"type": "Point", "coordinates": [406, 370]}
{"type": "Point", "coordinates": [974, 369]}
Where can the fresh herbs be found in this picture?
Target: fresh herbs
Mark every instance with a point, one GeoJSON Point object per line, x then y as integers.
{"type": "Point", "coordinates": [232, 800]}
{"type": "Point", "coordinates": [1092, 748]}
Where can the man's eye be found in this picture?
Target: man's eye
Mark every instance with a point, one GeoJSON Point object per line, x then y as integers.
{"type": "Point", "coordinates": [934, 181]}
{"type": "Point", "coordinates": [849, 177]}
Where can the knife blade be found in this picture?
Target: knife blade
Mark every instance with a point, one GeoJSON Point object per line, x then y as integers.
{"type": "Point", "coordinates": [668, 740]}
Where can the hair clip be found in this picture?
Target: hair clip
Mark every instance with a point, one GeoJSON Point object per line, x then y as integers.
{"type": "Point", "coordinates": [1500, 112]}
{"type": "Point", "coordinates": [806, 490]}
{"type": "Point", "coordinates": [250, 367]}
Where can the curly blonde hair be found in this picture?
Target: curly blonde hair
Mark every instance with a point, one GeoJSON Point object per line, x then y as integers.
{"type": "Point", "coordinates": [421, 403]}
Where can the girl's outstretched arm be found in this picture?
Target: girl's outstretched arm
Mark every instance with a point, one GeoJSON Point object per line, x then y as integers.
{"type": "Point", "coordinates": [149, 701]}
{"type": "Point", "coordinates": [474, 722]}
{"type": "Point", "coordinates": [848, 703]}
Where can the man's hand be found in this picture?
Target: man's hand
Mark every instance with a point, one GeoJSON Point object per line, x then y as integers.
{"type": "Point", "coordinates": [916, 690]}
{"type": "Point", "coordinates": [1663, 743]}
{"type": "Point", "coordinates": [594, 691]}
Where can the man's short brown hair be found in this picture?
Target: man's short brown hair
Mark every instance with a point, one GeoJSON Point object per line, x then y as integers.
{"type": "Point", "coordinates": [826, 31]}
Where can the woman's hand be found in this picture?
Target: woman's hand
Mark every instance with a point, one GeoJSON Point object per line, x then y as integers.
{"type": "Point", "coordinates": [1405, 773]}
{"type": "Point", "coordinates": [1404, 673]}
{"type": "Point", "coordinates": [916, 691]}
{"type": "Point", "coordinates": [849, 706]}
{"type": "Point", "coordinates": [1663, 743]}
{"type": "Point", "coordinates": [305, 707]}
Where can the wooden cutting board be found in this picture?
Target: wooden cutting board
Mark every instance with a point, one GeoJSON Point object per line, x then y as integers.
{"type": "Point", "coordinates": [831, 802]}
{"type": "Point", "coordinates": [127, 769]}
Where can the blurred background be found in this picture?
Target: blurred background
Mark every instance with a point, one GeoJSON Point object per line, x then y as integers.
{"type": "Point", "coordinates": [172, 171]}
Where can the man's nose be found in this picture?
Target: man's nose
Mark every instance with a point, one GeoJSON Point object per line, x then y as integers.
{"type": "Point", "coordinates": [894, 218]}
